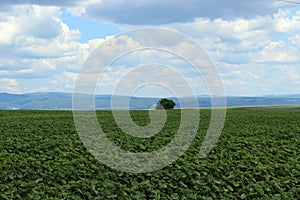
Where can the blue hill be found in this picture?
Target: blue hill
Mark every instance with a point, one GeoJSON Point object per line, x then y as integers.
{"type": "Point", "coordinates": [63, 101]}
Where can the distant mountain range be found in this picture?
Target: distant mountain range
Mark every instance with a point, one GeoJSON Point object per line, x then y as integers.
{"type": "Point", "coordinates": [63, 101]}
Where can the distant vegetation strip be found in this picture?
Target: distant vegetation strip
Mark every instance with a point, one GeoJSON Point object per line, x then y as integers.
{"type": "Point", "coordinates": [63, 101]}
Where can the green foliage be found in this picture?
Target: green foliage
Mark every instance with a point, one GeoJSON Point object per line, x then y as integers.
{"type": "Point", "coordinates": [165, 104]}
{"type": "Point", "coordinates": [257, 157]}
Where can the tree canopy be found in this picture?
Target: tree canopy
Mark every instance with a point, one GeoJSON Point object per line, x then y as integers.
{"type": "Point", "coordinates": [165, 104]}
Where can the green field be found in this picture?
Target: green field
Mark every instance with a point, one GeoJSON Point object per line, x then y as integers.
{"type": "Point", "coordinates": [257, 157]}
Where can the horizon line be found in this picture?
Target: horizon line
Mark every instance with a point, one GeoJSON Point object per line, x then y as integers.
{"type": "Point", "coordinates": [197, 95]}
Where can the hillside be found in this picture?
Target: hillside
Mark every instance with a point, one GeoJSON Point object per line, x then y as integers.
{"type": "Point", "coordinates": [63, 101]}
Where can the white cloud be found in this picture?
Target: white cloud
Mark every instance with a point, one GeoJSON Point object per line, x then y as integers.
{"type": "Point", "coordinates": [170, 11]}
{"type": "Point", "coordinates": [295, 41]}
{"type": "Point", "coordinates": [7, 3]}
{"type": "Point", "coordinates": [70, 75]}
{"type": "Point", "coordinates": [247, 51]}
{"type": "Point", "coordinates": [279, 52]}
{"type": "Point", "coordinates": [40, 52]}
{"type": "Point", "coordinates": [9, 85]}
{"type": "Point", "coordinates": [36, 44]}
{"type": "Point", "coordinates": [29, 22]}
{"type": "Point", "coordinates": [157, 12]}
{"type": "Point", "coordinates": [285, 22]}
{"type": "Point", "coordinates": [293, 74]}
{"type": "Point", "coordinates": [153, 74]}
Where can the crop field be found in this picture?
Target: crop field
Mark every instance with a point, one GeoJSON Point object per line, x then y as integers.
{"type": "Point", "coordinates": [256, 157]}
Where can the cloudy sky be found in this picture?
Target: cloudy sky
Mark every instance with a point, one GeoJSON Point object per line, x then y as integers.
{"type": "Point", "coordinates": [255, 45]}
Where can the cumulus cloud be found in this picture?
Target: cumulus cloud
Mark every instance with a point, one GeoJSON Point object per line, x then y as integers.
{"type": "Point", "coordinates": [292, 73]}
{"type": "Point", "coordinates": [148, 12]}
{"type": "Point", "coordinates": [33, 25]}
{"type": "Point", "coordinates": [36, 44]}
{"type": "Point", "coordinates": [248, 41]}
{"type": "Point", "coordinates": [41, 2]}
{"type": "Point", "coordinates": [250, 52]}
{"type": "Point", "coordinates": [295, 41]}
{"type": "Point", "coordinates": [76, 7]}
{"type": "Point", "coordinates": [9, 85]}
{"type": "Point", "coordinates": [262, 39]}
{"type": "Point", "coordinates": [279, 52]}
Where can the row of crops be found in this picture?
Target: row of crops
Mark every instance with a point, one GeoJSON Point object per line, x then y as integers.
{"type": "Point", "coordinates": [257, 156]}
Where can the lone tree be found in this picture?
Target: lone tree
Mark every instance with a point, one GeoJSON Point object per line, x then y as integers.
{"type": "Point", "coordinates": [165, 104]}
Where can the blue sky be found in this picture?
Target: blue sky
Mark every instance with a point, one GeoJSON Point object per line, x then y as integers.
{"type": "Point", "coordinates": [255, 45]}
{"type": "Point", "coordinates": [89, 29]}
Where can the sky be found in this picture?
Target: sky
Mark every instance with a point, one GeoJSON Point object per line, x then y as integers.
{"type": "Point", "coordinates": [254, 45]}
